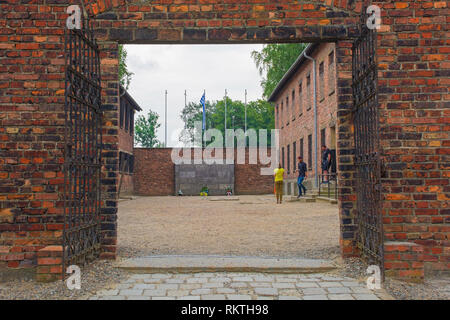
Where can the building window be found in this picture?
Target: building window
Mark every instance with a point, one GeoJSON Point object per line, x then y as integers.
{"type": "Point", "coordinates": [293, 104]}
{"type": "Point", "coordinates": [322, 137]}
{"type": "Point", "coordinates": [308, 92]}
{"type": "Point", "coordinates": [321, 82]}
{"type": "Point", "coordinates": [281, 115]}
{"type": "Point", "coordinates": [277, 116]}
{"type": "Point", "coordinates": [300, 97]}
{"type": "Point", "coordinates": [331, 73]}
{"type": "Point", "coordinates": [282, 157]}
{"type": "Point", "coordinates": [131, 121]}
{"type": "Point", "coordinates": [288, 158]}
{"type": "Point", "coordinates": [294, 154]}
{"type": "Point", "coordinates": [301, 147]}
{"type": "Point", "coordinates": [126, 162]}
{"type": "Point", "coordinates": [287, 110]}
{"type": "Point", "coordinates": [310, 152]}
{"type": "Point", "coordinates": [127, 116]}
{"type": "Point", "coordinates": [122, 112]}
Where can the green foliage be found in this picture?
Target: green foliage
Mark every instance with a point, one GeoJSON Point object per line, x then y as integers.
{"type": "Point", "coordinates": [124, 74]}
{"type": "Point", "coordinates": [273, 61]}
{"type": "Point", "coordinates": [145, 130]}
{"type": "Point", "coordinates": [260, 115]}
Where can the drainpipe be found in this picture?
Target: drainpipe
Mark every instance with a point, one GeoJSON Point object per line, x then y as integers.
{"type": "Point", "coordinates": [315, 117]}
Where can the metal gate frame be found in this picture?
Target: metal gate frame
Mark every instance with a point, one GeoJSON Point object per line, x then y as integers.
{"type": "Point", "coordinates": [83, 146]}
{"type": "Point", "coordinates": [370, 239]}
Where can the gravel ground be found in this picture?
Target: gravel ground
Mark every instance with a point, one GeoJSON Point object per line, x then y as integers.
{"type": "Point", "coordinates": [254, 225]}
{"type": "Point", "coordinates": [433, 288]}
{"type": "Point", "coordinates": [98, 275]}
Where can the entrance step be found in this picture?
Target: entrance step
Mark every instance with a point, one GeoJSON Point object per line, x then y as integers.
{"type": "Point", "coordinates": [222, 198]}
{"type": "Point", "coordinates": [213, 263]}
{"type": "Point", "coordinates": [301, 199]}
{"type": "Point", "coordinates": [330, 200]}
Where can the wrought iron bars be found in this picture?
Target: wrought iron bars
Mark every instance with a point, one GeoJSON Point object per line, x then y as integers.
{"type": "Point", "coordinates": [367, 148]}
{"type": "Point", "coordinates": [81, 233]}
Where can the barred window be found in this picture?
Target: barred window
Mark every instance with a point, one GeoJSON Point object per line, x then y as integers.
{"type": "Point", "coordinates": [321, 82]}
{"type": "Point", "coordinates": [308, 92]}
{"type": "Point", "coordinates": [126, 162]}
{"type": "Point", "coordinates": [331, 73]}
{"type": "Point", "coordinates": [288, 158]}
{"type": "Point", "coordinates": [300, 97]}
{"type": "Point", "coordinates": [127, 116]}
{"type": "Point", "coordinates": [309, 152]}
{"type": "Point", "coordinates": [122, 112]}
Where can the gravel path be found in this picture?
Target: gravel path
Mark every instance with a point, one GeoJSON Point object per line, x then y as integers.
{"type": "Point", "coordinates": [96, 276]}
{"type": "Point", "coordinates": [254, 225]}
{"type": "Point", "coordinates": [430, 289]}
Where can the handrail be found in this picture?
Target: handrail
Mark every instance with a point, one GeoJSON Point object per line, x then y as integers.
{"type": "Point", "coordinates": [331, 178]}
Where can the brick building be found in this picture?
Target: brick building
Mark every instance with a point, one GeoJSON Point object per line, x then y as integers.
{"type": "Point", "coordinates": [410, 83]}
{"type": "Point", "coordinates": [295, 116]}
{"type": "Point", "coordinates": [128, 107]}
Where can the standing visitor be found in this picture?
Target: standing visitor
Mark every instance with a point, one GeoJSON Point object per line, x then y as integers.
{"type": "Point", "coordinates": [326, 162]}
{"type": "Point", "coordinates": [279, 173]}
{"type": "Point", "coordinates": [301, 176]}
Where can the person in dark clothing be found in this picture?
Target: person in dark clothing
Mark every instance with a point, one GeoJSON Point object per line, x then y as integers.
{"type": "Point", "coordinates": [302, 169]}
{"type": "Point", "coordinates": [326, 162]}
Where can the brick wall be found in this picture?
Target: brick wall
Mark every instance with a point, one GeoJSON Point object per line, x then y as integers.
{"type": "Point", "coordinates": [155, 174]}
{"type": "Point", "coordinates": [414, 72]}
{"type": "Point", "coordinates": [31, 130]}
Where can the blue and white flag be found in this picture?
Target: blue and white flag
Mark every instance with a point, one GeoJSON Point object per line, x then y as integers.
{"type": "Point", "coordinates": [202, 101]}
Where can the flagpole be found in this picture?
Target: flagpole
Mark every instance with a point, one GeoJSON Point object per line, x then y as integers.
{"type": "Point", "coordinates": [204, 118]}
{"type": "Point", "coordinates": [165, 138]}
{"type": "Point", "coordinates": [245, 121]}
{"type": "Point", "coordinates": [245, 111]}
{"type": "Point", "coordinates": [225, 130]}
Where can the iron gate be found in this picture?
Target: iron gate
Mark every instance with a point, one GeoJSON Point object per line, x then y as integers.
{"type": "Point", "coordinates": [367, 148]}
{"type": "Point", "coordinates": [81, 235]}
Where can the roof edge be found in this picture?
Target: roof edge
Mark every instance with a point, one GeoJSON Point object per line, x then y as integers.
{"type": "Point", "coordinates": [291, 71]}
{"type": "Point", "coordinates": [129, 97]}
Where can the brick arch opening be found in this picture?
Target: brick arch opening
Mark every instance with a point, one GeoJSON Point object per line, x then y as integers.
{"type": "Point", "coordinates": [205, 22]}
{"type": "Point", "coordinates": [413, 101]}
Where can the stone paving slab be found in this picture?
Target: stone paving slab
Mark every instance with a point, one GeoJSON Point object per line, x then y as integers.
{"type": "Point", "coordinates": [239, 286]}
{"type": "Point", "coordinates": [214, 263]}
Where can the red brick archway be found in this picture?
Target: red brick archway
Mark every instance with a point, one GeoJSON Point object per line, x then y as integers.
{"type": "Point", "coordinates": [413, 57]}
{"type": "Point", "coordinates": [264, 22]}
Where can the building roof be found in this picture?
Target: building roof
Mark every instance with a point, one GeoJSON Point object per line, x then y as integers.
{"type": "Point", "coordinates": [292, 70]}
{"type": "Point", "coordinates": [127, 96]}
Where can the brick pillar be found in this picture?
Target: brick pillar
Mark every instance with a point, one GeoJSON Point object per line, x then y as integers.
{"type": "Point", "coordinates": [404, 260]}
{"type": "Point", "coordinates": [345, 150]}
{"type": "Point", "coordinates": [110, 140]}
{"type": "Point", "coordinates": [49, 264]}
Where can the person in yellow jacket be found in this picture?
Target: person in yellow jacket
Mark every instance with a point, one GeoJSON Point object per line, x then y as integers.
{"type": "Point", "coordinates": [278, 174]}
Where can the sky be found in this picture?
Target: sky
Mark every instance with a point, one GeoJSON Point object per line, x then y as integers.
{"type": "Point", "coordinates": [193, 68]}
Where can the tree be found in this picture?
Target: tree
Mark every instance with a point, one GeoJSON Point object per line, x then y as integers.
{"type": "Point", "coordinates": [273, 61]}
{"type": "Point", "coordinates": [260, 115]}
{"type": "Point", "coordinates": [124, 74]}
{"type": "Point", "coordinates": [145, 130]}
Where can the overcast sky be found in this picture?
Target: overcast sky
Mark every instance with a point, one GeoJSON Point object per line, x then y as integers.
{"type": "Point", "coordinates": [193, 68]}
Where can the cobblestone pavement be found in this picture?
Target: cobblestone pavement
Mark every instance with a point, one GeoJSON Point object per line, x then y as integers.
{"type": "Point", "coordinates": [239, 286]}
